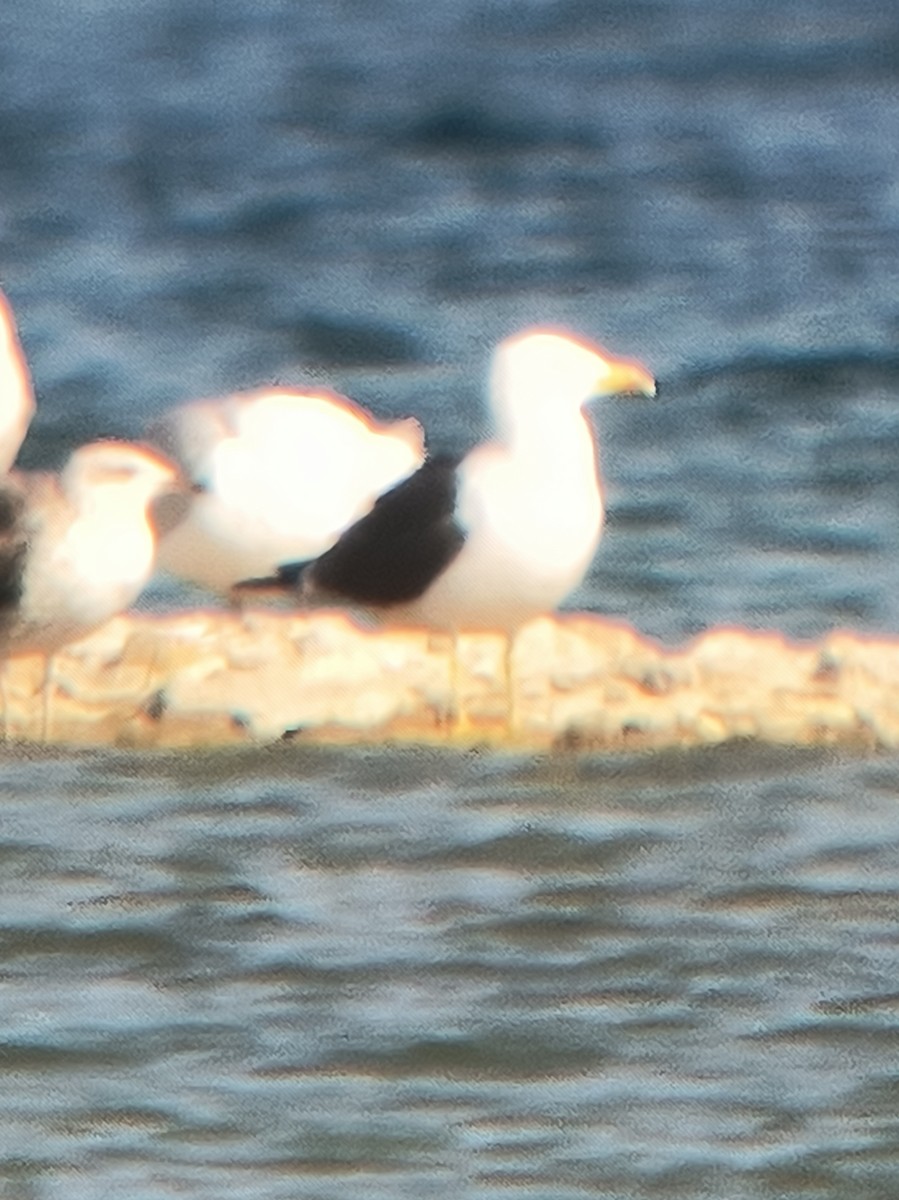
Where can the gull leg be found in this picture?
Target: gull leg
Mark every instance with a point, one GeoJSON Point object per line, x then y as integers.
{"type": "Point", "coordinates": [4, 693]}
{"type": "Point", "coordinates": [513, 711]}
{"type": "Point", "coordinates": [448, 714]}
{"type": "Point", "coordinates": [237, 601]}
{"type": "Point", "coordinates": [47, 685]}
{"type": "Point", "coordinates": [460, 724]}
{"type": "Point", "coordinates": [451, 715]}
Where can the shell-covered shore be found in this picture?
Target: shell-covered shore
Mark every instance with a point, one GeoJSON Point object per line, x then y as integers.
{"type": "Point", "coordinates": [213, 678]}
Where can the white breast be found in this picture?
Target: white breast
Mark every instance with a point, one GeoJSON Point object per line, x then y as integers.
{"type": "Point", "coordinates": [95, 570]}
{"type": "Point", "coordinates": [532, 530]}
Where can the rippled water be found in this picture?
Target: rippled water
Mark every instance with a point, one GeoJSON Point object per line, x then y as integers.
{"type": "Point", "coordinates": [413, 974]}
{"type": "Point", "coordinates": [405, 974]}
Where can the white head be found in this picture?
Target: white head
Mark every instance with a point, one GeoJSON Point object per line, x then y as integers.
{"type": "Point", "coordinates": [124, 474]}
{"type": "Point", "coordinates": [543, 375]}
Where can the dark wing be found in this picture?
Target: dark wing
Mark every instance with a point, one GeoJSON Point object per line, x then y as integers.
{"type": "Point", "coordinates": [393, 553]}
{"type": "Point", "coordinates": [13, 549]}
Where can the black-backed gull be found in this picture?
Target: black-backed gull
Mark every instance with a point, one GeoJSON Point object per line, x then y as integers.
{"type": "Point", "coordinates": [505, 533]}
{"type": "Point", "coordinates": [500, 536]}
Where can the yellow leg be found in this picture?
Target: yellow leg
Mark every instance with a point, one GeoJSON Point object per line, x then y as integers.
{"type": "Point", "coordinates": [458, 724]}
{"type": "Point", "coordinates": [453, 707]}
{"type": "Point", "coordinates": [46, 691]}
{"type": "Point", "coordinates": [4, 692]}
{"type": "Point", "coordinates": [513, 710]}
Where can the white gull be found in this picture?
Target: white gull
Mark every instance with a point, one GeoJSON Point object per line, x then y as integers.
{"type": "Point", "coordinates": [76, 548]}
{"type": "Point", "coordinates": [16, 393]}
{"type": "Point", "coordinates": [278, 475]}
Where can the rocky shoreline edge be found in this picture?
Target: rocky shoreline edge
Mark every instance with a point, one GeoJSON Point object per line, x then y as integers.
{"type": "Point", "coordinates": [209, 678]}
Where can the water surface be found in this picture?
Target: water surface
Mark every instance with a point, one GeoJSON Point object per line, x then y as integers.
{"type": "Point", "coordinates": [399, 973]}
{"type": "Point", "coordinates": [404, 974]}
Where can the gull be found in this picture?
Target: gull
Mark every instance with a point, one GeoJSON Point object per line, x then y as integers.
{"type": "Point", "coordinates": [76, 548]}
{"type": "Point", "coordinates": [16, 393]}
{"type": "Point", "coordinates": [502, 535]}
{"type": "Point", "coordinates": [277, 476]}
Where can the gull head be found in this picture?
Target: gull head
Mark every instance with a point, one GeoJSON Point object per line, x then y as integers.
{"type": "Point", "coordinates": [121, 473]}
{"type": "Point", "coordinates": [546, 369]}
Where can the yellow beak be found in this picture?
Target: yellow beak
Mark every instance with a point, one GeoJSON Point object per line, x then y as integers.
{"type": "Point", "coordinates": [626, 375]}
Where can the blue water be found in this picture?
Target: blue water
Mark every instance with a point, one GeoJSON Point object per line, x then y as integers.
{"type": "Point", "coordinates": [408, 974]}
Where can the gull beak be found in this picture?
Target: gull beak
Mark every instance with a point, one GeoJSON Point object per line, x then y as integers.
{"type": "Point", "coordinates": [628, 376]}
{"type": "Point", "coordinates": [172, 503]}
{"type": "Point", "coordinates": [169, 510]}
